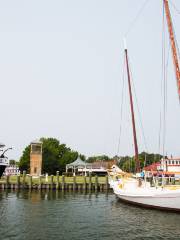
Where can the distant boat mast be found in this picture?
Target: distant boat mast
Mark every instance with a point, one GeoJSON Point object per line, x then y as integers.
{"type": "Point", "coordinates": [173, 44]}
{"type": "Point", "coordinates": [132, 113]}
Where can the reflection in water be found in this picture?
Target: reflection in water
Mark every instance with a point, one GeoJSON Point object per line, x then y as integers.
{"type": "Point", "coordinates": [57, 215]}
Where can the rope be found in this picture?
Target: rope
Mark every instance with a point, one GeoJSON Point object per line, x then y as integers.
{"type": "Point", "coordinates": [164, 86]}
{"type": "Point", "coordinates": [136, 18]}
{"type": "Point", "coordinates": [162, 74]}
{"type": "Point", "coordinates": [174, 6]}
{"type": "Point", "coordinates": [165, 63]}
{"type": "Point", "coordinates": [139, 113]}
{"type": "Point", "coordinates": [122, 101]}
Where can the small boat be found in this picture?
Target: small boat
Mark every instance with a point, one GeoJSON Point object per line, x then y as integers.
{"type": "Point", "coordinates": [4, 162]}
{"type": "Point", "coordinates": [136, 190]}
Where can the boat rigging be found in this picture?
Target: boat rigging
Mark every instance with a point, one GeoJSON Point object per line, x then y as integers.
{"type": "Point", "coordinates": [176, 58]}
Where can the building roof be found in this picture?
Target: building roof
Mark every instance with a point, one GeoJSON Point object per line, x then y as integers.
{"type": "Point", "coordinates": [102, 164]}
{"type": "Point", "coordinates": [152, 167]}
{"type": "Point", "coordinates": [36, 141]}
{"type": "Point", "coordinates": [78, 163]}
{"type": "Point", "coordinates": [171, 158]}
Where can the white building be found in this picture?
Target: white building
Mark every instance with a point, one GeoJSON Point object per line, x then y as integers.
{"type": "Point", "coordinates": [12, 170]}
{"type": "Point", "coordinates": [171, 164]}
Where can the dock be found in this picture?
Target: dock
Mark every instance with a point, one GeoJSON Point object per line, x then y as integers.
{"type": "Point", "coordinates": [55, 182]}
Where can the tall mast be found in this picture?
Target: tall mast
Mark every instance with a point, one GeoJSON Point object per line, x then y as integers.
{"type": "Point", "coordinates": [132, 115]}
{"type": "Point", "coordinates": [173, 44]}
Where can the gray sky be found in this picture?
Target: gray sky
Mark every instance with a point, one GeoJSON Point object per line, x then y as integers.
{"type": "Point", "coordinates": [61, 74]}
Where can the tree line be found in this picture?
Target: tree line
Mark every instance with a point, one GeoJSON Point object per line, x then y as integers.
{"type": "Point", "coordinates": [56, 155]}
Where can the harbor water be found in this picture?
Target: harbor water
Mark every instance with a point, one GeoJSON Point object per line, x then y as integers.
{"type": "Point", "coordinates": [51, 215]}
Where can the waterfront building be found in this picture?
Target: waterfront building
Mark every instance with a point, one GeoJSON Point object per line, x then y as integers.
{"type": "Point", "coordinates": [78, 167]}
{"type": "Point", "coordinates": [36, 158]}
{"type": "Point", "coordinates": [83, 168]}
{"type": "Point", "coordinates": [11, 170]}
{"type": "Point", "coordinates": [170, 164]}
{"type": "Point", "coordinates": [154, 167]}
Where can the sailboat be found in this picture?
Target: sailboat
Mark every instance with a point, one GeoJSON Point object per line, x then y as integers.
{"type": "Point", "coordinates": [135, 190]}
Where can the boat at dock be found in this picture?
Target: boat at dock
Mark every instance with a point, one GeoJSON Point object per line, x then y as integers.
{"type": "Point", "coordinates": [4, 162]}
{"type": "Point", "coordinates": [138, 192]}
{"type": "Point", "coordinates": [135, 189]}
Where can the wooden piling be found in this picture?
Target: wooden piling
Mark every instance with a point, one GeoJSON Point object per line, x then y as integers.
{"type": "Point", "coordinates": [18, 182]}
{"type": "Point", "coordinates": [24, 179]}
{"type": "Point", "coordinates": [74, 183]}
{"type": "Point", "coordinates": [57, 180]}
{"type": "Point", "coordinates": [90, 182]}
{"type": "Point", "coordinates": [107, 183]}
{"type": "Point", "coordinates": [84, 184]}
{"type": "Point", "coordinates": [51, 181]}
{"type": "Point", "coordinates": [79, 187]}
{"type": "Point", "coordinates": [30, 182]}
{"type": "Point", "coordinates": [40, 183]}
{"type": "Point", "coordinates": [7, 182]}
{"type": "Point", "coordinates": [63, 183]}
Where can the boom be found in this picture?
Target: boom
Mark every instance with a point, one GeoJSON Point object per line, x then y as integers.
{"type": "Point", "coordinates": [173, 44]}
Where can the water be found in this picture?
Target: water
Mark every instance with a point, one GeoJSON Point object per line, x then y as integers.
{"type": "Point", "coordinates": [53, 215]}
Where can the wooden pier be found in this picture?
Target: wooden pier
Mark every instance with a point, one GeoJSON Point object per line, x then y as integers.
{"type": "Point", "coordinates": [61, 183]}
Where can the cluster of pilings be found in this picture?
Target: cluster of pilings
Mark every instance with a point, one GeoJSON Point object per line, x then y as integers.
{"type": "Point", "coordinates": [55, 182]}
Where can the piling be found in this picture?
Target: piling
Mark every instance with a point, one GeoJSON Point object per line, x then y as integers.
{"type": "Point", "coordinates": [71, 183]}
{"type": "Point", "coordinates": [74, 183]}
{"type": "Point", "coordinates": [7, 182]}
{"type": "Point", "coordinates": [107, 183]}
{"type": "Point", "coordinates": [57, 180]}
{"type": "Point", "coordinates": [51, 181]}
{"type": "Point", "coordinates": [63, 183]}
{"type": "Point", "coordinates": [40, 183]}
{"type": "Point", "coordinates": [17, 182]}
{"type": "Point", "coordinates": [96, 183]}
{"type": "Point", "coordinates": [90, 182]}
{"type": "Point", "coordinates": [24, 179]}
{"type": "Point", "coordinates": [84, 184]}
{"type": "Point", "coordinates": [30, 182]}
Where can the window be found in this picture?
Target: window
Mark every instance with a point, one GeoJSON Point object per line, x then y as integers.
{"type": "Point", "coordinates": [36, 148]}
{"type": "Point", "coordinates": [35, 170]}
{"type": "Point", "coordinates": [173, 162]}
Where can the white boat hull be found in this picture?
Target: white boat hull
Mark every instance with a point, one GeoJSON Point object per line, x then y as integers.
{"type": "Point", "coordinates": [167, 203]}
{"type": "Point", "coordinates": [151, 197]}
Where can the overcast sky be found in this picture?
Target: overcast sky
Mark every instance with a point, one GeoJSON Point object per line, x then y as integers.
{"type": "Point", "coordinates": [61, 68]}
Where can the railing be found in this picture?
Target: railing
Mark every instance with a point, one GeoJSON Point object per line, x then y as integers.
{"type": "Point", "coordinates": [162, 181]}
{"type": "Point", "coordinates": [4, 161]}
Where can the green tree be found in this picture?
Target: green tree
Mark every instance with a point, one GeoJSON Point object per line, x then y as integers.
{"type": "Point", "coordinates": [55, 156]}
{"type": "Point", "coordinates": [24, 162]}
{"type": "Point", "coordinates": [98, 158]}
{"type": "Point", "coordinates": [128, 163]}
{"type": "Point", "coordinates": [12, 162]}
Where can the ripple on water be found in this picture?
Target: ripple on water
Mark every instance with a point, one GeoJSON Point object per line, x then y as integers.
{"type": "Point", "coordinates": [53, 215]}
